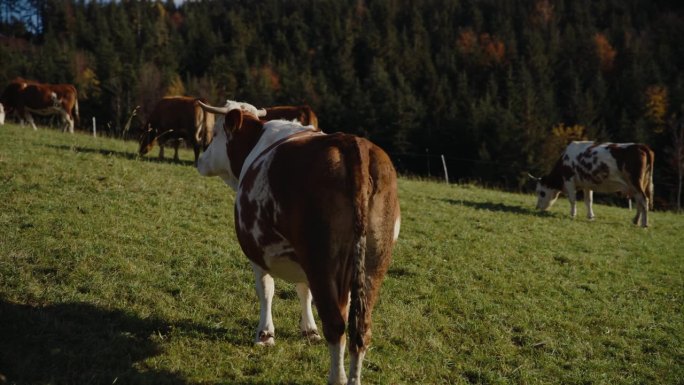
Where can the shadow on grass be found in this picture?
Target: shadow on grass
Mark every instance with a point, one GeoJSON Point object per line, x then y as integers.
{"type": "Point", "coordinates": [498, 207]}
{"type": "Point", "coordinates": [121, 154]}
{"type": "Point", "coordinates": [78, 343]}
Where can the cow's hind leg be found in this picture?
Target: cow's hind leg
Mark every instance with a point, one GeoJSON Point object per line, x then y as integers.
{"type": "Point", "coordinates": [588, 200]}
{"type": "Point", "coordinates": [307, 324]}
{"type": "Point", "coordinates": [161, 151]}
{"type": "Point", "coordinates": [265, 334]}
{"type": "Point", "coordinates": [331, 308]}
{"type": "Point", "coordinates": [641, 209]}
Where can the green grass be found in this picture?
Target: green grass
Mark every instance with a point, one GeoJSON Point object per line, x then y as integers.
{"type": "Point", "coordinates": [126, 270]}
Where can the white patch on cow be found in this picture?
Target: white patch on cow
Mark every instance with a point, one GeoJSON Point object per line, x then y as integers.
{"type": "Point", "coordinates": [265, 289]}
{"type": "Point", "coordinates": [214, 160]}
{"type": "Point", "coordinates": [274, 131]}
{"type": "Point", "coordinates": [397, 225]}
{"type": "Point", "coordinates": [546, 197]}
{"type": "Point", "coordinates": [233, 105]}
{"type": "Point", "coordinates": [283, 267]}
{"type": "Point", "coordinates": [2, 114]}
{"type": "Point", "coordinates": [307, 324]}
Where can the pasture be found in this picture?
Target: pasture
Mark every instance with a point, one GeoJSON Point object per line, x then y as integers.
{"type": "Point", "coordinates": [115, 269]}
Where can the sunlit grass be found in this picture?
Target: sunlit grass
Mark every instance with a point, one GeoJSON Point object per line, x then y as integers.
{"type": "Point", "coordinates": [115, 268]}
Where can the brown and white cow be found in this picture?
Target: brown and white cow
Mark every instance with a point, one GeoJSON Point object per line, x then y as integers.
{"type": "Point", "coordinates": [27, 97]}
{"type": "Point", "coordinates": [608, 167]}
{"type": "Point", "coordinates": [315, 209]}
{"type": "Point", "coordinates": [302, 114]}
{"type": "Point", "coordinates": [177, 118]}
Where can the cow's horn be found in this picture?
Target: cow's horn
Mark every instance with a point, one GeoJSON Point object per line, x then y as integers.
{"type": "Point", "coordinates": [212, 109]}
{"type": "Point", "coordinates": [533, 177]}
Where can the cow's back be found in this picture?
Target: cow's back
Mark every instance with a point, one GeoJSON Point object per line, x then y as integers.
{"type": "Point", "coordinates": [313, 181]}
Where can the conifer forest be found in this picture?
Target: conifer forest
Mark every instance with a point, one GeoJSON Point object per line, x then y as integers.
{"type": "Point", "coordinates": [496, 87]}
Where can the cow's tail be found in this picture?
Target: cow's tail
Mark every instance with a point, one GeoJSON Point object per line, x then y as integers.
{"type": "Point", "coordinates": [357, 165]}
{"type": "Point", "coordinates": [77, 118]}
{"type": "Point", "coordinates": [650, 158]}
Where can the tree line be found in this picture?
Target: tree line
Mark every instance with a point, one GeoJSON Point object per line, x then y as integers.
{"type": "Point", "coordinates": [497, 87]}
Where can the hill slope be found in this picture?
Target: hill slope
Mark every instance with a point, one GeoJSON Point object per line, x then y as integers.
{"type": "Point", "coordinates": [117, 268]}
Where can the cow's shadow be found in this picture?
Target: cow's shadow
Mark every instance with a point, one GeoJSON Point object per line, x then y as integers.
{"type": "Point", "coordinates": [122, 154]}
{"type": "Point", "coordinates": [498, 207]}
{"type": "Point", "coordinates": [78, 343]}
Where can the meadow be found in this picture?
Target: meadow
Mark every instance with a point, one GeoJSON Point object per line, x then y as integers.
{"type": "Point", "coordinates": [126, 270]}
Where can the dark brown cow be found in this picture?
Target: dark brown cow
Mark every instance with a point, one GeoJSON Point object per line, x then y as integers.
{"type": "Point", "coordinates": [315, 209]}
{"type": "Point", "coordinates": [303, 114]}
{"type": "Point", "coordinates": [174, 119]}
{"type": "Point", "coordinates": [27, 96]}
{"type": "Point", "coordinates": [608, 167]}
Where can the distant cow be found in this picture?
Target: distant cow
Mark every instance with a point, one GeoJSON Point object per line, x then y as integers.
{"type": "Point", "coordinates": [315, 209]}
{"type": "Point", "coordinates": [26, 96]}
{"type": "Point", "coordinates": [174, 119]}
{"type": "Point", "coordinates": [303, 114]}
{"type": "Point", "coordinates": [608, 167]}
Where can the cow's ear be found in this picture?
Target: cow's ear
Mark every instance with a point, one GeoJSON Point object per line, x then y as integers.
{"type": "Point", "coordinates": [233, 120]}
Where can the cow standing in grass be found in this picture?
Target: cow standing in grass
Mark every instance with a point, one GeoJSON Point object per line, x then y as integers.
{"type": "Point", "coordinates": [608, 167]}
{"type": "Point", "coordinates": [26, 97]}
{"type": "Point", "coordinates": [315, 209]}
{"type": "Point", "coordinates": [175, 119]}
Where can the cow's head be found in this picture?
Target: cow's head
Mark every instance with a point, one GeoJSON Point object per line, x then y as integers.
{"type": "Point", "coordinates": [236, 132]}
{"type": "Point", "coordinates": [546, 196]}
{"type": "Point", "coordinates": [147, 139]}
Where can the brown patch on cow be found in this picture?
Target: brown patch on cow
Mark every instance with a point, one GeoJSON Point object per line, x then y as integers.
{"type": "Point", "coordinates": [636, 162]}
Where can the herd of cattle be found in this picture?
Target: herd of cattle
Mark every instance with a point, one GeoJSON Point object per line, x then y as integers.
{"type": "Point", "coordinates": [321, 210]}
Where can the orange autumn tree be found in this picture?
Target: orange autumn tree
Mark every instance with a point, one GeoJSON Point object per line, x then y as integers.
{"type": "Point", "coordinates": [605, 52]}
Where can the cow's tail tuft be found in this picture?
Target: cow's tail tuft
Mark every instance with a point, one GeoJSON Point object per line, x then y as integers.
{"type": "Point", "coordinates": [357, 166]}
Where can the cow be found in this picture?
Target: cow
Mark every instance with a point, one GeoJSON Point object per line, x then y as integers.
{"type": "Point", "coordinates": [607, 167]}
{"type": "Point", "coordinates": [177, 118]}
{"type": "Point", "coordinates": [27, 96]}
{"type": "Point", "coordinates": [303, 114]}
{"type": "Point", "coordinates": [320, 210]}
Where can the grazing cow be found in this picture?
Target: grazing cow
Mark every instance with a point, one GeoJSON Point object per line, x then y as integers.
{"type": "Point", "coordinates": [27, 96]}
{"type": "Point", "coordinates": [608, 167]}
{"type": "Point", "coordinates": [303, 114]}
{"type": "Point", "coordinates": [174, 119]}
{"type": "Point", "coordinates": [315, 209]}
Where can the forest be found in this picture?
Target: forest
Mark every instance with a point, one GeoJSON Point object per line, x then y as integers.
{"type": "Point", "coordinates": [496, 87]}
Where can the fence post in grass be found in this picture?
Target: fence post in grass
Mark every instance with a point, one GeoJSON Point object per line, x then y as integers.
{"type": "Point", "coordinates": [446, 173]}
{"type": "Point", "coordinates": [94, 129]}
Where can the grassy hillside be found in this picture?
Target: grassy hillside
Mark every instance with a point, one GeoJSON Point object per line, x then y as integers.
{"type": "Point", "coordinates": [126, 270]}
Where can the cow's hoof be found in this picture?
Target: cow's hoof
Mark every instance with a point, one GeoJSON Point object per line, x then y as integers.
{"type": "Point", "coordinates": [265, 338]}
{"type": "Point", "coordinates": [311, 335]}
